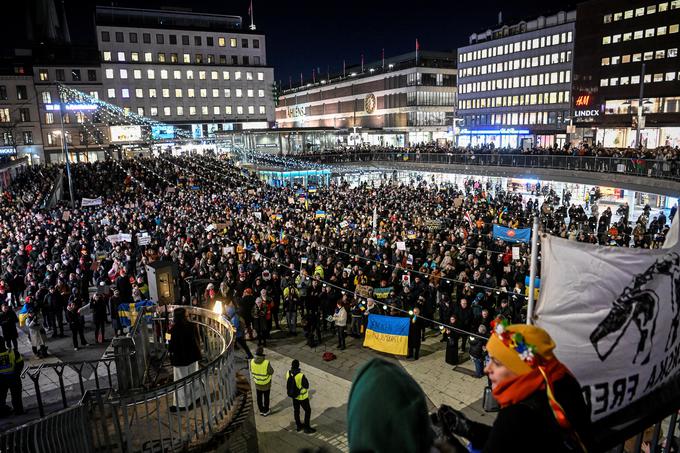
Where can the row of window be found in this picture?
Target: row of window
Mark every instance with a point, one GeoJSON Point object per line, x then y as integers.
{"type": "Point", "coordinates": [430, 98]}
{"type": "Point", "coordinates": [651, 55]}
{"type": "Point", "coordinates": [23, 115]}
{"type": "Point", "coordinates": [519, 63]}
{"type": "Point", "coordinates": [204, 110]}
{"type": "Point", "coordinates": [21, 92]}
{"type": "Point", "coordinates": [7, 138]}
{"type": "Point", "coordinates": [639, 12]}
{"type": "Point", "coordinates": [190, 92]}
{"type": "Point", "coordinates": [650, 105]}
{"type": "Point", "coordinates": [533, 80]}
{"type": "Point", "coordinates": [164, 74]}
{"type": "Point", "coordinates": [519, 46]}
{"type": "Point", "coordinates": [198, 58]}
{"type": "Point", "coordinates": [168, 111]}
{"type": "Point", "coordinates": [639, 34]}
{"type": "Point", "coordinates": [554, 97]}
{"type": "Point", "coordinates": [60, 75]}
{"type": "Point", "coordinates": [635, 79]}
{"type": "Point", "coordinates": [517, 119]}
{"type": "Point", "coordinates": [184, 39]}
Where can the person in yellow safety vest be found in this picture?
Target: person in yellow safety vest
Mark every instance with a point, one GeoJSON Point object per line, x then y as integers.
{"type": "Point", "coordinates": [297, 388]}
{"type": "Point", "coordinates": [318, 270]}
{"type": "Point", "coordinates": [261, 372]}
{"type": "Point", "coordinates": [11, 364]}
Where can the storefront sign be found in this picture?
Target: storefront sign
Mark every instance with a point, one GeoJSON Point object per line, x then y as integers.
{"type": "Point", "coordinates": [295, 111]}
{"type": "Point", "coordinates": [586, 113]}
{"type": "Point", "coordinates": [503, 131]}
{"type": "Point", "coordinates": [125, 133]}
{"type": "Point", "coordinates": [7, 150]}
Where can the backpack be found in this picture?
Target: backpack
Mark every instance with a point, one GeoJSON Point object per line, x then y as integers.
{"type": "Point", "coordinates": [291, 388]}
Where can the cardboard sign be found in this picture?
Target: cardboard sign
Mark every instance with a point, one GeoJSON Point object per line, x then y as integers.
{"type": "Point", "coordinates": [409, 259]}
{"type": "Point", "coordinates": [66, 216]}
{"type": "Point", "coordinates": [364, 291]}
{"type": "Point", "coordinates": [401, 245]}
{"type": "Point", "coordinates": [406, 280]}
{"type": "Point", "coordinates": [257, 215]}
{"type": "Point", "coordinates": [515, 253]}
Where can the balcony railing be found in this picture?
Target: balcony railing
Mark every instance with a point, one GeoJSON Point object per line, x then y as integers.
{"type": "Point", "coordinates": [650, 168]}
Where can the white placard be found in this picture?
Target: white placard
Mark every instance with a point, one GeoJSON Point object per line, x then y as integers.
{"type": "Point", "coordinates": [401, 245]}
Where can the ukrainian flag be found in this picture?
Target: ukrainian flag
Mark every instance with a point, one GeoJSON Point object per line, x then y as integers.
{"type": "Point", "coordinates": [387, 334]}
{"type": "Point", "coordinates": [320, 214]}
{"type": "Point", "coordinates": [411, 234]}
{"type": "Point", "coordinates": [277, 217]}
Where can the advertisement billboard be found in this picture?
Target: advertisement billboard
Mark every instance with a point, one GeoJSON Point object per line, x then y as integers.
{"type": "Point", "coordinates": [162, 132]}
{"type": "Point", "coordinates": [126, 134]}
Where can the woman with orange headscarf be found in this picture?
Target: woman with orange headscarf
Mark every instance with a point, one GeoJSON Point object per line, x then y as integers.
{"type": "Point", "coordinates": [541, 405]}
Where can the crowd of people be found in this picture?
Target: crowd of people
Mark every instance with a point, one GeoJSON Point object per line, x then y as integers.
{"type": "Point", "coordinates": [315, 262]}
{"type": "Point", "coordinates": [666, 152]}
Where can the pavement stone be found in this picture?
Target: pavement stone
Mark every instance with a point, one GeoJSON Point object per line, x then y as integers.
{"type": "Point", "coordinates": [330, 383]}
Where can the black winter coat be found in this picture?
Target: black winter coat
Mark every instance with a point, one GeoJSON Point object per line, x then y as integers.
{"type": "Point", "coordinates": [544, 434]}
{"type": "Point", "coordinates": [184, 344]}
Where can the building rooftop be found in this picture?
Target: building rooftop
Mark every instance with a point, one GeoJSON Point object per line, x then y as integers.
{"type": "Point", "coordinates": [510, 28]}
{"type": "Point", "coordinates": [181, 19]}
{"type": "Point", "coordinates": [426, 59]}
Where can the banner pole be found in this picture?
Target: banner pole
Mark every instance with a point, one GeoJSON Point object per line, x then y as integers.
{"type": "Point", "coordinates": [532, 271]}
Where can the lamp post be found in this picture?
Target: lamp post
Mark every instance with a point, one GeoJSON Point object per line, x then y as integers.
{"type": "Point", "coordinates": [64, 149]}
{"type": "Point", "coordinates": [640, 107]}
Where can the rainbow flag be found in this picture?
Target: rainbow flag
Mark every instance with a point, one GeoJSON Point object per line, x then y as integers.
{"type": "Point", "coordinates": [387, 334]}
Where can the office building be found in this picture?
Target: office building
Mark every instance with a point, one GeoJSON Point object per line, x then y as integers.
{"type": "Point", "coordinates": [626, 51]}
{"type": "Point", "coordinates": [198, 71]}
{"type": "Point", "coordinates": [405, 99]}
{"type": "Point", "coordinates": [514, 83]}
{"type": "Point", "coordinates": [20, 133]}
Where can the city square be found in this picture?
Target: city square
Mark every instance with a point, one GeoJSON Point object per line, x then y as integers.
{"type": "Point", "coordinates": [448, 240]}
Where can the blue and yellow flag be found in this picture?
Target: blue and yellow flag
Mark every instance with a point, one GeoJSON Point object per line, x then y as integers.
{"type": "Point", "coordinates": [387, 334]}
{"type": "Point", "coordinates": [320, 214]}
{"type": "Point", "coordinates": [511, 234]}
{"type": "Point", "coordinates": [127, 313]}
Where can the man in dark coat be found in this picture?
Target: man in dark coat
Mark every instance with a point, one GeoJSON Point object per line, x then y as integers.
{"type": "Point", "coordinates": [185, 352]}
{"type": "Point", "coordinates": [415, 332]}
{"type": "Point", "coordinates": [8, 323]}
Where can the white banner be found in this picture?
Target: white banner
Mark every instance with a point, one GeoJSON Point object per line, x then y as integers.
{"type": "Point", "coordinates": [614, 314]}
{"type": "Point", "coordinates": [84, 202]}
{"type": "Point", "coordinates": [120, 237]}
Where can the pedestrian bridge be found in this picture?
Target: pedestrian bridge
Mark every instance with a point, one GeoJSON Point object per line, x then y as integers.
{"type": "Point", "coordinates": [644, 175]}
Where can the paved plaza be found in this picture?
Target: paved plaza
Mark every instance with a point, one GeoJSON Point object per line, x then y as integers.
{"type": "Point", "coordinates": [330, 383]}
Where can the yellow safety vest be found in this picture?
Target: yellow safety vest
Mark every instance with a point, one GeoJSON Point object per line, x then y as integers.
{"type": "Point", "coordinates": [7, 361]}
{"type": "Point", "coordinates": [259, 372]}
{"type": "Point", "coordinates": [298, 383]}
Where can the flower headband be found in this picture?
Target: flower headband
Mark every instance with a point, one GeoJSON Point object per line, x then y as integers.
{"type": "Point", "coordinates": [514, 341]}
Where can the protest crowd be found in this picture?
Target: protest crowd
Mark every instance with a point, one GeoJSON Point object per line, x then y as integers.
{"type": "Point", "coordinates": [305, 261]}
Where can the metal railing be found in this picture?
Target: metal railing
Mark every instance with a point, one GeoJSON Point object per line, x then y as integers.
{"type": "Point", "coordinates": [142, 419]}
{"type": "Point", "coordinates": [650, 168]}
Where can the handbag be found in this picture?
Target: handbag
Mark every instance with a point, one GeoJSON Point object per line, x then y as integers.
{"type": "Point", "coordinates": [489, 403]}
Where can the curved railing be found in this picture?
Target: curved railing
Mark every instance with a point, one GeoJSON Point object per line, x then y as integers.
{"type": "Point", "coordinates": [651, 168]}
{"type": "Point", "coordinates": [144, 419]}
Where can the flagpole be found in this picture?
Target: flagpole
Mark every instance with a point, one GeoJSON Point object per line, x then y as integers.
{"type": "Point", "coordinates": [532, 271]}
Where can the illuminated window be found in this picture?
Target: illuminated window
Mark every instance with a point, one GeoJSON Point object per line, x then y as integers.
{"type": "Point", "coordinates": [249, 75]}
{"type": "Point", "coordinates": [227, 109]}
{"type": "Point", "coordinates": [150, 74]}
{"type": "Point", "coordinates": [225, 75]}
{"type": "Point", "coordinates": [134, 56]}
{"type": "Point", "coordinates": [147, 57]}
{"type": "Point", "coordinates": [251, 110]}
{"type": "Point", "coordinates": [203, 93]}
{"type": "Point", "coordinates": [180, 110]}
{"type": "Point", "coordinates": [109, 73]}
{"type": "Point", "coordinates": [239, 92]}
{"type": "Point", "coordinates": [192, 110]}
{"type": "Point", "coordinates": [221, 42]}
{"type": "Point", "coordinates": [139, 93]}
{"type": "Point", "coordinates": [216, 110]}
{"type": "Point", "coordinates": [154, 111]}
{"type": "Point", "coordinates": [137, 74]}
{"type": "Point", "coordinates": [250, 93]}
{"type": "Point", "coordinates": [178, 92]}
{"type": "Point", "coordinates": [263, 110]}
{"type": "Point", "coordinates": [239, 110]}
{"type": "Point", "coordinates": [190, 75]}
{"type": "Point", "coordinates": [111, 93]}
{"type": "Point", "coordinates": [227, 93]}
{"type": "Point", "coordinates": [176, 74]}
{"type": "Point", "coordinates": [123, 74]}
{"type": "Point", "coordinates": [191, 93]}
{"type": "Point", "coordinates": [201, 75]}
{"type": "Point", "coordinates": [638, 34]}
{"type": "Point", "coordinates": [214, 75]}
{"type": "Point", "coordinates": [125, 93]}
{"type": "Point", "coordinates": [165, 92]}
{"type": "Point", "coordinates": [628, 14]}
{"type": "Point", "coordinates": [152, 93]}
{"type": "Point", "coordinates": [166, 111]}
{"type": "Point", "coordinates": [260, 76]}
{"type": "Point", "coordinates": [215, 93]}
{"type": "Point", "coordinates": [107, 56]}
{"type": "Point", "coordinates": [237, 75]}
{"type": "Point", "coordinates": [627, 36]}
{"type": "Point", "coordinates": [121, 56]}
{"type": "Point", "coordinates": [673, 28]}
{"type": "Point", "coordinates": [260, 93]}
{"type": "Point", "coordinates": [232, 42]}
{"type": "Point", "coordinates": [186, 58]}
{"type": "Point", "coordinates": [606, 40]}
{"type": "Point", "coordinates": [204, 110]}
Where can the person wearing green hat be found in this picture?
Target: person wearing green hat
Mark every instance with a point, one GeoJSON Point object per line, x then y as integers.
{"type": "Point", "coordinates": [387, 411]}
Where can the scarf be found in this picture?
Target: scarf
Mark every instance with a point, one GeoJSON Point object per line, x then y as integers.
{"type": "Point", "coordinates": [517, 389]}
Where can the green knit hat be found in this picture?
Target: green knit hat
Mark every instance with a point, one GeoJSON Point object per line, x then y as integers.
{"type": "Point", "coordinates": [387, 411]}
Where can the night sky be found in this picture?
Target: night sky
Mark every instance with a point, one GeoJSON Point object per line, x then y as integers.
{"type": "Point", "coordinates": [305, 34]}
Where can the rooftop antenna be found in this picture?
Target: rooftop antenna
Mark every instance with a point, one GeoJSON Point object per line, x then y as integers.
{"type": "Point", "coordinates": [252, 18]}
{"type": "Point", "coordinates": [500, 17]}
